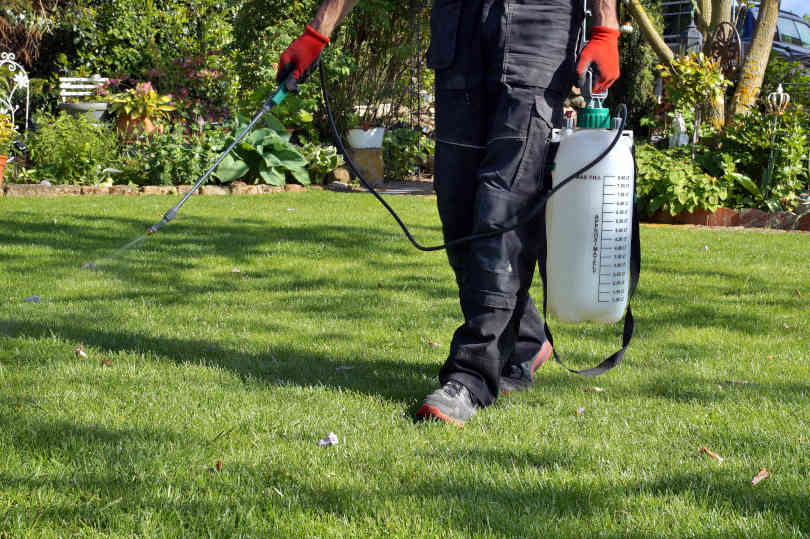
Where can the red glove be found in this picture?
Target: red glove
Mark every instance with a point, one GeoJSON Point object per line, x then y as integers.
{"type": "Point", "coordinates": [602, 50]}
{"type": "Point", "coordinates": [301, 55]}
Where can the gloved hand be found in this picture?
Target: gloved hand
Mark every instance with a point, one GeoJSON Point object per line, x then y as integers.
{"type": "Point", "coordinates": [602, 50]}
{"type": "Point", "coordinates": [300, 57]}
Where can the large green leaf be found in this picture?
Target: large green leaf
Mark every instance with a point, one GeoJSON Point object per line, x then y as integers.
{"type": "Point", "coordinates": [291, 158]}
{"type": "Point", "coordinates": [300, 174]}
{"type": "Point", "coordinates": [272, 160]}
{"type": "Point", "coordinates": [273, 123]}
{"type": "Point", "coordinates": [272, 176]}
{"type": "Point", "coordinates": [231, 169]}
{"type": "Point", "coordinates": [747, 183]}
{"type": "Point", "coordinates": [257, 136]}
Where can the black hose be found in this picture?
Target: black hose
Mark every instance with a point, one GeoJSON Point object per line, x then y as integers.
{"type": "Point", "coordinates": [523, 220]}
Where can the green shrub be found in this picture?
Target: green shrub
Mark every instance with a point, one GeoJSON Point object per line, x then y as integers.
{"type": "Point", "coordinates": [174, 157]}
{"type": "Point", "coordinates": [669, 180]}
{"type": "Point", "coordinates": [72, 150]}
{"type": "Point", "coordinates": [321, 160]}
{"type": "Point", "coordinates": [405, 149]}
{"type": "Point", "coordinates": [743, 154]}
{"type": "Point", "coordinates": [133, 36]}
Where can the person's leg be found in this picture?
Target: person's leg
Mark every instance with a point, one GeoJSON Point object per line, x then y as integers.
{"type": "Point", "coordinates": [492, 138]}
{"type": "Point", "coordinates": [497, 271]}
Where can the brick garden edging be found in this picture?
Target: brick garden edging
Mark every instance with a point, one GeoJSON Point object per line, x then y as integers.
{"type": "Point", "coordinates": [746, 218]}
{"type": "Point", "coordinates": [27, 190]}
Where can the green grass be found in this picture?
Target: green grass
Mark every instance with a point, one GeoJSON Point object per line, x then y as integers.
{"type": "Point", "coordinates": [326, 327]}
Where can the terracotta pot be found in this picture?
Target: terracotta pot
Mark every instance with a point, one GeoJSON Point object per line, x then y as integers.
{"type": "Point", "coordinates": [3, 159]}
{"type": "Point", "coordinates": [134, 127]}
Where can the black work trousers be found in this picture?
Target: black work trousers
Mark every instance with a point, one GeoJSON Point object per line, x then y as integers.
{"type": "Point", "coordinates": [502, 70]}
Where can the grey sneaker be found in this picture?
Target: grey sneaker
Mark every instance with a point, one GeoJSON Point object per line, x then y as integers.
{"type": "Point", "coordinates": [520, 376]}
{"type": "Point", "coordinates": [452, 403]}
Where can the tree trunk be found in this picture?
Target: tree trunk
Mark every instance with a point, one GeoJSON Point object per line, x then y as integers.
{"type": "Point", "coordinates": [703, 17]}
{"type": "Point", "coordinates": [721, 12]}
{"type": "Point", "coordinates": [753, 71]}
{"type": "Point", "coordinates": [649, 32]}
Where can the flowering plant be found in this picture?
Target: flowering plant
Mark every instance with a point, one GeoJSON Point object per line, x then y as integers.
{"type": "Point", "coordinates": [141, 102]}
{"type": "Point", "coordinates": [200, 86]}
{"type": "Point", "coordinates": [7, 133]}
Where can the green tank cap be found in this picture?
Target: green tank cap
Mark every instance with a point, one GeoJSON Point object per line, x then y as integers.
{"type": "Point", "coordinates": [593, 118]}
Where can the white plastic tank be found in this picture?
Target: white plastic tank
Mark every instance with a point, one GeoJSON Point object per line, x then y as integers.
{"type": "Point", "coordinates": [589, 228]}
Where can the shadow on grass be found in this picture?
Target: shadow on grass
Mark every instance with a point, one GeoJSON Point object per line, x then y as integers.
{"type": "Point", "coordinates": [289, 496]}
{"type": "Point", "coordinates": [281, 364]}
{"type": "Point", "coordinates": [690, 388]}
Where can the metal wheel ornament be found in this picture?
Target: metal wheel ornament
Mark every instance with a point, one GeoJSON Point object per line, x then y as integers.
{"type": "Point", "coordinates": [726, 47]}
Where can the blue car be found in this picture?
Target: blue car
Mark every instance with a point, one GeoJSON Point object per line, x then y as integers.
{"type": "Point", "coordinates": [792, 39]}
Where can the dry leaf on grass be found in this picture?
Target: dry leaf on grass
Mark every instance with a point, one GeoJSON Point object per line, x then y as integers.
{"type": "Point", "coordinates": [106, 363]}
{"type": "Point", "coordinates": [218, 465]}
{"type": "Point", "coordinates": [763, 474]}
{"type": "Point", "coordinates": [705, 450]}
{"type": "Point", "coordinates": [595, 389]}
{"type": "Point", "coordinates": [798, 293]}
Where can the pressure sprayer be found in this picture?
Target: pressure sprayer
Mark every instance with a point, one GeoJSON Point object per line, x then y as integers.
{"type": "Point", "coordinates": [592, 259]}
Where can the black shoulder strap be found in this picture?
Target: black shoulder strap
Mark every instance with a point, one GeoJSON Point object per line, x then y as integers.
{"type": "Point", "coordinates": [629, 323]}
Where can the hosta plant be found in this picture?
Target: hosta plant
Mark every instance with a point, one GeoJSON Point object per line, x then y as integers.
{"type": "Point", "coordinates": [265, 155]}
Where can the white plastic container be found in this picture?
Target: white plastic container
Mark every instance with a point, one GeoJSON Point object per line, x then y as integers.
{"type": "Point", "coordinates": [589, 228]}
{"type": "Point", "coordinates": [361, 139]}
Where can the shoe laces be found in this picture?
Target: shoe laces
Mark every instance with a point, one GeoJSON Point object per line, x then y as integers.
{"type": "Point", "coordinates": [455, 389]}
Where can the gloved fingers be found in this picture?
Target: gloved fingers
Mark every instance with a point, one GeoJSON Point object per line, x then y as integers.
{"type": "Point", "coordinates": [603, 85]}
{"type": "Point", "coordinates": [301, 76]}
{"type": "Point", "coordinates": [600, 82]}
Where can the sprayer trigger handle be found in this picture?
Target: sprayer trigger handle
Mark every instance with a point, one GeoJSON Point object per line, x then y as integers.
{"type": "Point", "coordinates": [290, 84]}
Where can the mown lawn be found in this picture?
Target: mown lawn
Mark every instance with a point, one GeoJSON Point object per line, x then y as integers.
{"type": "Point", "coordinates": [251, 327]}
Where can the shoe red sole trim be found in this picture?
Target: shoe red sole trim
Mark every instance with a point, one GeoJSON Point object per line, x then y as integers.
{"type": "Point", "coordinates": [427, 411]}
{"type": "Point", "coordinates": [542, 356]}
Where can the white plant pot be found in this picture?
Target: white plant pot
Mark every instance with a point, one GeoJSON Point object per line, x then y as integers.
{"type": "Point", "coordinates": [360, 139]}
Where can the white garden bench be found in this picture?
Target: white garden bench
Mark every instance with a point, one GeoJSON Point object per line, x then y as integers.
{"type": "Point", "coordinates": [79, 86]}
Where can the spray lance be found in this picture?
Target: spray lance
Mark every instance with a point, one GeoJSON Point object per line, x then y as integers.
{"type": "Point", "coordinates": [288, 86]}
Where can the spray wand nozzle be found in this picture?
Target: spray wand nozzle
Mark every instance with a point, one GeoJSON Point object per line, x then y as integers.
{"type": "Point", "coordinates": [171, 214]}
